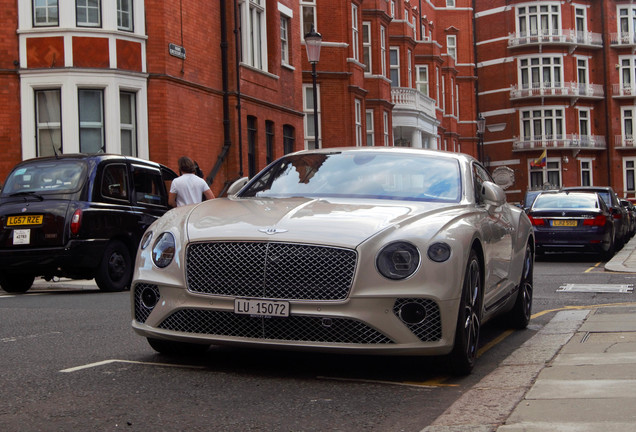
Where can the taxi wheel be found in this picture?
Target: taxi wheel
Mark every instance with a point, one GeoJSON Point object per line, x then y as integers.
{"type": "Point", "coordinates": [16, 284]}
{"type": "Point", "coordinates": [115, 270]}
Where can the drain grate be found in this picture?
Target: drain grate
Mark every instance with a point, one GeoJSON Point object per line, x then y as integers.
{"type": "Point", "coordinates": [598, 288]}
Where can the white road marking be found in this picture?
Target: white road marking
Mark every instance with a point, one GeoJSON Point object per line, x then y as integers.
{"type": "Point", "coordinates": [105, 362]}
{"type": "Point", "coordinates": [597, 288]}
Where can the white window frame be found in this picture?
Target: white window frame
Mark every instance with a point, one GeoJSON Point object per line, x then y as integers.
{"type": "Point", "coordinates": [628, 122]}
{"type": "Point", "coordinates": [125, 12]}
{"type": "Point", "coordinates": [540, 19]}
{"type": "Point", "coordinates": [370, 128]}
{"type": "Point", "coordinates": [450, 3]}
{"type": "Point", "coordinates": [48, 127]}
{"type": "Point", "coordinates": [253, 33]}
{"type": "Point", "coordinates": [307, 9]}
{"type": "Point", "coordinates": [367, 47]}
{"type": "Point", "coordinates": [409, 65]}
{"type": "Point", "coordinates": [538, 72]}
{"type": "Point", "coordinates": [394, 66]}
{"type": "Point", "coordinates": [627, 75]}
{"type": "Point", "coordinates": [386, 131]}
{"type": "Point", "coordinates": [129, 128]}
{"type": "Point", "coordinates": [308, 119]}
{"type": "Point", "coordinates": [586, 166]}
{"type": "Point", "coordinates": [584, 122]}
{"type": "Point", "coordinates": [629, 175]}
{"type": "Point", "coordinates": [540, 119]}
{"type": "Point", "coordinates": [421, 79]}
{"type": "Point", "coordinates": [358, 121]}
{"type": "Point", "coordinates": [551, 171]}
{"type": "Point", "coordinates": [284, 40]}
{"type": "Point", "coordinates": [383, 53]}
{"type": "Point", "coordinates": [87, 9]}
{"type": "Point", "coordinates": [355, 33]}
{"type": "Point", "coordinates": [451, 46]}
{"type": "Point", "coordinates": [580, 22]}
{"type": "Point", "coordinates": [49, 12]}
{"type": "Point", "coordinates": [88, 125]}
{"type": "Point", "coordinates": [626, 23]}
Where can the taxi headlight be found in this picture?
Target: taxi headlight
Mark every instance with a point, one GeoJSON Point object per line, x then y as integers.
{"type": "Point", "coordinates": [163, 250]}
{"type": "Point", "coordinates": [398, 260]}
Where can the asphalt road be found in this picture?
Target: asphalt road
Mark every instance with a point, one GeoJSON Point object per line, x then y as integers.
{"type": "Point", "coordinates": [70, 361]}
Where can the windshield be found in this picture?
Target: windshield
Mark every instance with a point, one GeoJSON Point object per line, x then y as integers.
{"type": "Point", "coordinates": [361, 175]}
{"type": "Point", "coordinates": [58, 176]}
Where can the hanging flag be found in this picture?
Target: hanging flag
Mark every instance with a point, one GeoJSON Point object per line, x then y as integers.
{"type": "Point", "coordinates": [541, 161]}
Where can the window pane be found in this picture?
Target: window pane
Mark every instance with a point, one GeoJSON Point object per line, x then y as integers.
{"type": "Point", "coordinates": [91, 121]}
{"type": "Point", "coordinates": [48, 124]}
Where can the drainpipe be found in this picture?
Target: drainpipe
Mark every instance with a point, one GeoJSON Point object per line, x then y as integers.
{"type": "Point", "coordinates": [607, 96]}
{"type": "Point", "coordinates": [227, 140]}
{"type": "Point", "coordinates": [480, 151]}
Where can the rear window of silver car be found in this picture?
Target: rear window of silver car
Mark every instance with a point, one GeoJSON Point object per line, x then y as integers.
{"type": "Point", "coordinates": [46, 177]}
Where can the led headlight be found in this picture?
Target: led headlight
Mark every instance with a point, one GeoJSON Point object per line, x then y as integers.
{"type": "Point", "coordinates": [145, 240]}
{"type": "Point", "coordinates": [398, 260]}
{"type": "Point", "coordinates": [163, 250]}
{"type": "Point", "coordinates": [439, 252]}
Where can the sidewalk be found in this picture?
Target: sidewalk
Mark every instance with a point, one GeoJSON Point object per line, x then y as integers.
{"type": "Point", "coordinates": [577, 374]}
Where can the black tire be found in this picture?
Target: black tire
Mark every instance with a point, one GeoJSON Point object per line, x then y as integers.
{"type": "Point", "coordinates": [115, 270]}
{"type": "Point", "coordinates": [611, 250]}
{"type": "Point", "coordinates": [16, 284]}
{"type": "Point", "coordinates": [174, 348]}
{"type": "Point", "coordinates": [520, 315]}
{"type": "Point", "coordinates": [464, 354]}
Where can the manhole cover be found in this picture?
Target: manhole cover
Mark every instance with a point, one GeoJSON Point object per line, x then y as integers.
{"type": "Point", "coordinates": [597, 288]}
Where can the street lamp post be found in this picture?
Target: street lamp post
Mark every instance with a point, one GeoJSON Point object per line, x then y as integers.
{"type": "Point", "coordinates": [313, 40]}
{"type": "Point", "coordinates": [481, 128]}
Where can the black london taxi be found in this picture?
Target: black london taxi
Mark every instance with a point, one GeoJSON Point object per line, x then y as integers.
{"type": "Point", "coordinates": [78, 216]}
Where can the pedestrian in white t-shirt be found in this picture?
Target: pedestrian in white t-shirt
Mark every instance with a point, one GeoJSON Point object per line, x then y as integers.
{"type": "Point", "coordinates": [188, 188]}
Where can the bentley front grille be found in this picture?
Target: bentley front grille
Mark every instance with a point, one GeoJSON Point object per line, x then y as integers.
{"type": "Point", "coordinates": [293, 328]}
{"type": "Point", "coordinates": [270, 270]}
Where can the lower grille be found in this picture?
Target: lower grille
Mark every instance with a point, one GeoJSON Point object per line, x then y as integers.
{"type": "Point", "coordinates": [141, 311]}
{"type": "Point", "coordinates": [429, 330]}
{"type": "Point", "coordinates": [292, 328]}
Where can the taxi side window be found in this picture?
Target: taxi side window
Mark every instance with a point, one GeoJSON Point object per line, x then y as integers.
{"type": "Point", "coordinates": [115, 182]}
{"type": "Point", "coordinates": [149, 187]}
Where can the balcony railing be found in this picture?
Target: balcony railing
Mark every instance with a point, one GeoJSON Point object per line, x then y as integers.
{"type": "Point", "coordinates": [624, 142]}
{"type": "Point", "coordinates": [627, 39]}
{"type": "Point", "coordinates": [569, 89]}
{"type": "Point", "coordinates": [408, 98]}
{"type": "Point", "coordinates": [563, 37]}
{"type": "Point", "coordinates": [624, 90]}
{"type": "Point", "coordinates": [569, 141]}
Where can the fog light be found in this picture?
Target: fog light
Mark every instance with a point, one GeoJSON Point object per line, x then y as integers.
{"type": "Point", "coordinates": [412, 313]}
{"type": "Point", "coordinates": [149, 297]}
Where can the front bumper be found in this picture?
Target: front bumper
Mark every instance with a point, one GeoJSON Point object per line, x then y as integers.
{"type": "Point", "coordinates": [363, 325]}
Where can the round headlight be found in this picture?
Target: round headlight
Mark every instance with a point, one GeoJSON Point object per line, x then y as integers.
{"type": "Point", "coordinates": [163, 250]}
{"type": "Point", "coordinates": [398, 260]}
{"type": "Point", "coordinates": [439, 252]}
{"type": "Point", "coordinates": [145, 240]}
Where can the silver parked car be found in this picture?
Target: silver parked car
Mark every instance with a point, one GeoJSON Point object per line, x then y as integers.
{"type": "Point", "coordinates": [364, 250]}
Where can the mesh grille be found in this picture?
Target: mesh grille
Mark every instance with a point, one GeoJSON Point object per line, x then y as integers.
{"type": "Point", "coordinates": [292, 328]}
{"type": "Point", "coordinates": [270, 270]}
{"type": "Point", "coordinates": [141, 311]}
{"type": "Point", "coordinates": [430, 329]}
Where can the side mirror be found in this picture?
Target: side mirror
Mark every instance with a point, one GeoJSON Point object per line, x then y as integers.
{"type": "Point", "coordinates": [237, 186]}
{"type": "Point", "coordinates": [493, 194]}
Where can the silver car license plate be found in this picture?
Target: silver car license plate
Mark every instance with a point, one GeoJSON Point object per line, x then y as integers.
{"type": "Point", "coordinates": [261, 307]}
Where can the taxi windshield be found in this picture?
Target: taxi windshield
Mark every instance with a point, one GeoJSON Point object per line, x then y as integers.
{"type": "Point", "coordinates": [57, 176]}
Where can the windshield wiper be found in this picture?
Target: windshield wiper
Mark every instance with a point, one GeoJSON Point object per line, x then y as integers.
{"type": "Point", "coordinates": [27, 194]}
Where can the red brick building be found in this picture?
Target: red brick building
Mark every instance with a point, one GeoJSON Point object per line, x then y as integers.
{"type": "Point", "coordinates": [228, 83]}
{"type": "Point", "coordinates": [558, 76]}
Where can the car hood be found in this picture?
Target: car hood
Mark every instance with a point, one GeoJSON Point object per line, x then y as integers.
{"type": "Point", "coordinates": [337, 222]}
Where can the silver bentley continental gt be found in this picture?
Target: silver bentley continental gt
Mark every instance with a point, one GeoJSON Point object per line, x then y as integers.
{"type": "Point", "coordinates": [367, 250]}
